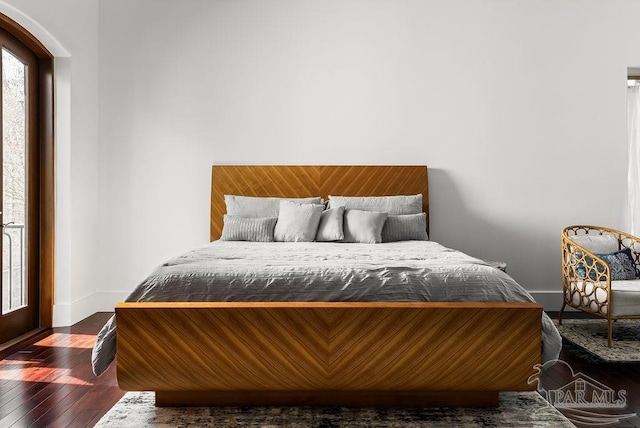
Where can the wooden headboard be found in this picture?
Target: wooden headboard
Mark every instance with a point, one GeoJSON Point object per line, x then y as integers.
{"type": "Point", "coordinates": [312, 180]}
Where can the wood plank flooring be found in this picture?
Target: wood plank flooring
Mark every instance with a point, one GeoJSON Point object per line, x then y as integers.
{"type": "Point", "coordinates": [47, 380]}
{"type": "Point", "coordinates": [617, 376]}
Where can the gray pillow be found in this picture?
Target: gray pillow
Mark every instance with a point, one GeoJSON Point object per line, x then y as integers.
{"type": "Point", "coordinates": [599, 244]}
{"type": "Point", "coordinates": [331, 225]}
{"type": "Point", "coordinates": [248, 229]}
{"type": "Point", "coordinates": [258, 207]}
{"type": "Point", "coordinates": [410, 227]}
{"type": "Point", "coordinates": [364, 227]}
{"type": "Point", "coordinates": [393, 205]}
{"type": "Point", "coordinates": [297, 222]}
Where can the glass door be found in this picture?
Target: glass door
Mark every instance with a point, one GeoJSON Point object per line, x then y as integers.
{"type": "Point", "coordinates": [19, 293]}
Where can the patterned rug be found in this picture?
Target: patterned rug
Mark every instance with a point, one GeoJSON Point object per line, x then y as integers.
{"type": "Point", "coordinates": [591, 336]}
{"type": "Point", "coordinates": [517, 409]}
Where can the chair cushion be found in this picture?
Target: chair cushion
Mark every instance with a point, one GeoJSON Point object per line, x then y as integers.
{"type": "Point", "coordinates": [599, 244]}
{"type": "Point", "coordinates": [625, 297]}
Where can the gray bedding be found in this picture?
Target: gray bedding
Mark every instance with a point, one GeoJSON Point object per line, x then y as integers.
{"type": "Point", "coordinates": [319, 271]}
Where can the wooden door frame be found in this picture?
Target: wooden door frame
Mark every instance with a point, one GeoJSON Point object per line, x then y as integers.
{"type": "Point", "coordinates": [47, 171]}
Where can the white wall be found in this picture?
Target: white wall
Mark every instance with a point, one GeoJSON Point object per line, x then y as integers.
{"type": "Point", "coordinates": [503, 100]}
{"type": "Point", "coordinates": [517, 107]}
{"type": "Point", "coordinates": [73, 24]}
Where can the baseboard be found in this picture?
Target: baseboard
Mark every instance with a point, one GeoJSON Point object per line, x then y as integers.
{"type": "Point", "coordinates": [551, 300]}
{"type": "Point", "coordinates": [61, 315]}
{"type": "Point", "coordinates": [68, 314]}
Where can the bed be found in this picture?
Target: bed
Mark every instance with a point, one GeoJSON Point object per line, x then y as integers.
{"type": "Point", "coordinates": [413, 336]}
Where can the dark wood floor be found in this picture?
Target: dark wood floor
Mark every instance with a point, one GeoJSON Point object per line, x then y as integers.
{"type": "Point", "coordinates": [47, 380]}
{"type": "Point", "coordinates": [617, 376]}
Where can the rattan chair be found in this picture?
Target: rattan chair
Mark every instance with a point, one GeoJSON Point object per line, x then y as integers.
{"type": "Point", "coordinates": [586, 278]}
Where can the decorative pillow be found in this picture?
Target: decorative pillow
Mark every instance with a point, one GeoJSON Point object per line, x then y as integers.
{"type": "Point", "coordinates": [409, 227]}
{"type": "Point", "coordinates": [297, 222]}
{"type": "Point", "coordinates": [364, 227]}
{"type": "Point", "coordinates": [257, 207]}
{"type": "Point", "coordinates": [600, 244]}
{"type": "Point", "coordinates": [248, 229]}
{"type": "Point", "coordinates": [392, 205]}
{"type": "Point", "coordinates": [331, 225]}
{"type": "Point", "coordinates": [621, 265]}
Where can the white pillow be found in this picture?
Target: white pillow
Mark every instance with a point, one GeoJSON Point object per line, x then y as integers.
{"type": "Point", "coordinates": [247, 229]}
{"type": "Point", "coordinates": [331, 225]}
{"type": "Point", "coordinates": [297, 222]}
{"type": "Point", "coordinates": [364, 227]}
{"type": "Point", "coordinates": [598, 244]}
{"type": "Point", "coordinates": [258, 207]}
{"type": "Point", "coordinates": [410, 227]}
{"type": "Point", "coordinates": [393, 205]}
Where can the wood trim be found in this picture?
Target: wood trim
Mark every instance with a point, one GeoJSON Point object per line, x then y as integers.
{"type": "Point", "coordinates": [47, 193]}
{"type": "Point", "coordinates": [27, 318]}
{"type": "Point", "coordinates": [381, 348]}
{"type": "Point", "coordinates": [6, 347]}
{"type": "Point", "coordinates": [46, 162]}
{"type": "Point", "coordinates": [24, 36]}
{"type": "Point", "coordinates": [313, 180]}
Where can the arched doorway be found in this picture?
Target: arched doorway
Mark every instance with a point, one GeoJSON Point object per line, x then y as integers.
{"type": "Point", "coordinates": [26, 183]}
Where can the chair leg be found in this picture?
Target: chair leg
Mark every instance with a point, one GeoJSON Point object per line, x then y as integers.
{"type": "Point", "coordinates": [564, 304]}
{"type": "Point", "coordinates": [610, 328]}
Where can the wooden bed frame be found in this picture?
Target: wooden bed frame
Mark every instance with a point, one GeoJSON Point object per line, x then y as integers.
{"type": "Point", "coordinates": [325, 353]}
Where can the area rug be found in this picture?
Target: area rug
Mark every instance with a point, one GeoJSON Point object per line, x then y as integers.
{"type": "Point", "coordinates": [591, 336]}
{"type": "Point", "coordinates": [517, 409]}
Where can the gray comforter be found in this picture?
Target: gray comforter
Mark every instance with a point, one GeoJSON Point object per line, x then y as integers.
{"type": "Point", "coordinates": [318, 271]}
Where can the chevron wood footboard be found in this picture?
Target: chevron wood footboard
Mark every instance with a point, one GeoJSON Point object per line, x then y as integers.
{"type": "Point", "coordinates": [345, 354]}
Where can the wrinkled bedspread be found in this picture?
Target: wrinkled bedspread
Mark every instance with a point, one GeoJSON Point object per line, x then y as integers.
{"type": "Point", "coordinates": [317, 271]}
